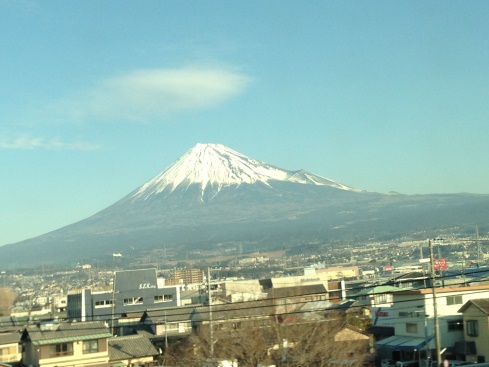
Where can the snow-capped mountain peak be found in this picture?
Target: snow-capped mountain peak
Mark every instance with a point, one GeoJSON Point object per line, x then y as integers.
{"type": "Point", "coordinates": [218, 166]}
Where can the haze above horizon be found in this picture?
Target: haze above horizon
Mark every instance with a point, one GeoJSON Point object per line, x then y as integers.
{"type": "Point", "coordinates": [99, 97]}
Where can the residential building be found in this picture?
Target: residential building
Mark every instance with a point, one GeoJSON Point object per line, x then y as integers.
{"type": "Point", "coordinates": [52, 343]}
{"type": "Point", "coordinates": [186, 276]}
{"type": "Point", "coordinates": [228, 317]}
{"type": "Point", "coordinates": [413, 279]}
{"type": "Point", "coordinates": [132, 350]}
{"type": "Point", "coordinates": [288, 299]}
{"type": "Point", "coordinates": [249, 290]}
{"type": "Point", "coordinates": [169, 323]}
{"type": "Point", "coordinates": [413, 316]}
{"type": "Point", "coordinates": [476, 330]}
{"type": "Point", "coordinates": [9, 347]}
{"type": "Point", "coordinates": [9, 339]}
{"type": "Point", "coordinates": [380, 299]}
{"type": "Point", "coordinates": [242, 291]}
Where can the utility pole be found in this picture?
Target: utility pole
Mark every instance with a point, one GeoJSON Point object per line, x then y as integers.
{"type": "Point", "coordinates": [480, 256]}
{"type": "Point", "coordinates": [211, 331]}
{"type": "Point", "coordinates": [166, 334]}
{"type": "Point", "coordinates": [435, 308]}
{"type": "Point", "coordinates": [112, 316]}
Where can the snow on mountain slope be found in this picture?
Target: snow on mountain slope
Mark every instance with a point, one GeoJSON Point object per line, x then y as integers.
{"type": "Point", "coordinates": [219, 166]}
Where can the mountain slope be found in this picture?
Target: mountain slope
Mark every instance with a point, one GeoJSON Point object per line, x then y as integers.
{"type": "Point", "coordinates": [213, 195]}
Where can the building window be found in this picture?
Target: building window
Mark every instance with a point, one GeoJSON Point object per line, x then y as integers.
{"type": "Point", "coordinates": [171, 327]}
{"type": "Point", "coordinates": [90, 346]}
{"type": "Point", "coordinates": [4, 353]}
{"type": "Point", "coordinates": [164, 298]}
{"type": "Point", "coordinates": [411, 327]}
{"type": "Point", "coordinates": [133, 301]}
{"type": "Point", "coordinates": [380, 298]}
{"type": "Point", "coordinates": [406, 314]}
{"type": "Point", "coordinates": [61, 349]}
{"type": "Point", "coordinates": [454, 300]}
{"type": "Point", "coordinates": [472, 328]}
{"type": "Point", "coordinates": [455, 325]}
{"type": "Point", "coordinates": [104, 303]}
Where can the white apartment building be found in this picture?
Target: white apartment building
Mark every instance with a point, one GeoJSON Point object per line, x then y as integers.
{"type": "Point", "coordinates": [412, 316]}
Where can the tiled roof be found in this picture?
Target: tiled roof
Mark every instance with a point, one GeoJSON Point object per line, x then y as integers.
{"type": "Point", "coordinates": [53, 332]}
{"type": "Point", "coordinates": [128, 330]}
{"type": "Point", "coordinates": [173, 314]}
{"type": "Point", "coordinates": [481, 303]}
{"type": "Point", "coordinates": [317, 306]}
{"type": "Point", "coordinates": [8, 323]}
{"type": "Point", "coordinates": [8, 338]}
{"type": "Point", "coordinates": [242, 310]}
{"type": "Point", "coordinates": [381, 289]}
{"type": "Point", "coordinates": [133, 346]}
{"type": "Point", "coordinates": [297, 291]}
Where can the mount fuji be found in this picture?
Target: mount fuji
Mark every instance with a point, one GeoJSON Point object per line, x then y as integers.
{"type": "Point", "coordinates": [213, 195]}
{"type": "Point", "coordinates": [214, 166]}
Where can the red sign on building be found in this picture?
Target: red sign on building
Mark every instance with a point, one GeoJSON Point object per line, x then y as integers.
{"type": "Point", "coordinates": [441, 264]}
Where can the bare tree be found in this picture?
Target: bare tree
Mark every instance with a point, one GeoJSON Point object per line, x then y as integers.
{"type": "Point", "coordinates": [7, 298]}
{"type": "Point", "coordinates": [314, 343]}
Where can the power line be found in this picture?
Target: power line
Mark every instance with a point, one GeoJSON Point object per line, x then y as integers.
{"type": "Point", "coordinates": [237, 305]}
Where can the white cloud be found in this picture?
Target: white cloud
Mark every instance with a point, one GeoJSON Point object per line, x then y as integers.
{"type": "Point", "coordinates": [30, 142]}
{"type": "Point", "coordinates": [148, 95]}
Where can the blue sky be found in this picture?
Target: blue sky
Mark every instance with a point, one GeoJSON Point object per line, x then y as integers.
{"type": "Point", "coordinates": [97, 97]}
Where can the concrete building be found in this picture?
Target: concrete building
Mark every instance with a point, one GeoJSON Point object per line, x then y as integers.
{"type": "Point", "coordinates": [186, 276]}
{"type": "Point", "coordinates": [134, 290]}
{"type": "Point", "coordinates": [256, 289]}
{"type": "Point", "coordinates": [340, 272]}
{"type": "Point", "coordinates": [412, 314]}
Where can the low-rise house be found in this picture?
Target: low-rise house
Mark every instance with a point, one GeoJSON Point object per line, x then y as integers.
{"type": "Point", "coordinates": [415, 279]}
{"type": "Point", "coordinates": [229, 317]}
{"type": "Point", "coordinates": [52, 343]}
{"type": "Point", "coordinates": [132, 350]}
{"type": "Point", "coordinates": [9, 340]}
{"type": "Point", "coordinates": [169, 323]}
{"type": "Point", "coordinates": [9, 347]}
{"type": "Point", "coordinates": [289, 299]}
{"type": "Point", "coordinates": [476, 330]}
